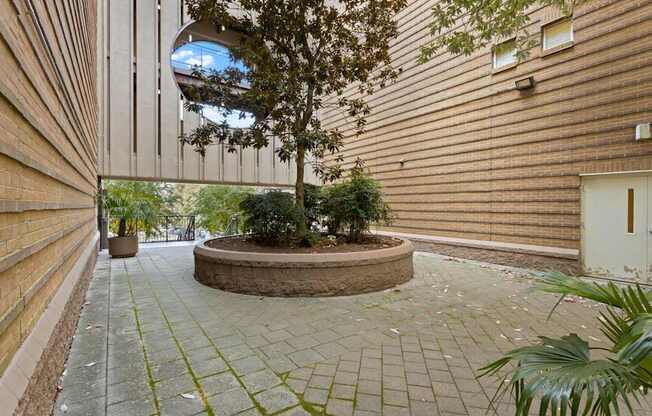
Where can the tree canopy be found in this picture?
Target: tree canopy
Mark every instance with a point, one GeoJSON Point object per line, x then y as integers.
{"type": "Point", "coordinates": [300, 56]}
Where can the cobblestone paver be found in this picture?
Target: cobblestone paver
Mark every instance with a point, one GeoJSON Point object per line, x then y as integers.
{"type": "Point", "coordinates": [153, 341]}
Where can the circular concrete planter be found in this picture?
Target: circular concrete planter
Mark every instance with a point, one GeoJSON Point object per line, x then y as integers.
{"type": "Point", "coordinates": [123, 246]}
{"type": "Point", "coordinates": [315, 274]}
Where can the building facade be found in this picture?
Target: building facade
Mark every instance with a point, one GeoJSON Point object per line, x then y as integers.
{"type": "Point", "coordinates": [48, 183]}
{"type": "Point", "coordinates": [541, 163]}
{"type": "Point", "coordinates": [475, 167]}
{"type": "Point", "coordinates": [144, 114]}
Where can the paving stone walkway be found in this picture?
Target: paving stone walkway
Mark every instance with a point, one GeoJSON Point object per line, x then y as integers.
{"type": "Point", "coordinates": [153, 341]}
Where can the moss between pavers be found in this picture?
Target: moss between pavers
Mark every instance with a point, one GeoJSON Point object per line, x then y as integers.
{"type": "Point", "coordinates": [310, 409]}
{"type": "Point", "coordinates": [150, 377]}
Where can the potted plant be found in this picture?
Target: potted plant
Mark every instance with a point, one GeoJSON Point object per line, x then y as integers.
{"type": "Point", "coordinates": [130, 206]}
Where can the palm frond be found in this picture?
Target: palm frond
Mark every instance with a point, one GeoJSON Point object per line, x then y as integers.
{"type": "Point", "coordinates": [561, 375]}
{"type": "Point", "coordinates": [614, 325]}
{"type": "Point", "coordinates": [631, 299]}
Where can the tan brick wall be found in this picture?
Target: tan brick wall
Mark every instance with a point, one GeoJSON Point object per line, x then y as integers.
{"type": "Point", "coordinates": [48, 156]}
{"type": "Point", "coordinates": [484, 161]}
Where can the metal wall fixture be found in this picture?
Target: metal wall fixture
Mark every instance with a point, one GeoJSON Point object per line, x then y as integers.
{"type": "Point", "coordinates": [525, 84]}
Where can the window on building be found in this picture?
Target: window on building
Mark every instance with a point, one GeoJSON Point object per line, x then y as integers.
{"type": "Point", "coordinates": [505, 54]}
{"type": "Point", "coordinates": [558, 34]}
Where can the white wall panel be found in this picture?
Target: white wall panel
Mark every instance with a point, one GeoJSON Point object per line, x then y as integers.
{"type": "Point", "coordinates": [248, 169]}
{"type": "Point", "coordinates": [266, 164]}
{"type": "Point", "coordinates": [120, 89]}
{"type": "Point", "coordinates": [191, 159]}
{"type": "Point", "coordinates": [174, 164]}
{"type": "Point", "coordinates": [213, 164]}
{"type": "Point", "coordinates": [146, 82]}
{"type": "Point", "coordinates": [231, 165]}
{"type": "Point", "coordinates": [170, 147]}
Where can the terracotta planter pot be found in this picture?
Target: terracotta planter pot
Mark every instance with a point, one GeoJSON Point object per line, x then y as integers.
{"type": "Point", "coordinates": [123, 246]}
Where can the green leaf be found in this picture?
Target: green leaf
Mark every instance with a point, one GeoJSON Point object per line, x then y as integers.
{"type": "Point", "coordinates": [632, 300]}
{"type": "Point", "coordinates": [563, 377]}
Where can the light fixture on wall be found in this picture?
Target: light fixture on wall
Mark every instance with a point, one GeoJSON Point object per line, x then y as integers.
{"type": "Point", "coordinates": [643, 131]}
{"type": "Point", "coordinates": [525, 84]}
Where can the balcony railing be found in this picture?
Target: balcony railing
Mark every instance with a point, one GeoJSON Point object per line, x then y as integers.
{"type": "Point", "coordinates": [170, 228]}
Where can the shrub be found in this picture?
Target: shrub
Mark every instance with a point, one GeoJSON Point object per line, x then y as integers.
{"type": "Point", "coordinates": [354, 205]}
{"type": "Point", "coordinates": [134, 206]}
{"type": "Point", "coordinates": [313, 202]}
{"type": "Point", "coordinates": [270, 217]}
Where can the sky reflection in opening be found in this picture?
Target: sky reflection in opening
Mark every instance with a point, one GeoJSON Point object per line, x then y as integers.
{"type": "Point", "coordinates": [211, 56]}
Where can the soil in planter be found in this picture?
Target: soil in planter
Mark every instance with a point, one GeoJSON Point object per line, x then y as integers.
{"type": "Point", "coordinates": [371, 242]}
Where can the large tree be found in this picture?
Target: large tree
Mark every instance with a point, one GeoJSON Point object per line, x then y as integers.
{"type": "Point", "coordinates": [464, 26]}
{"type": "Point", "coordinates": [300, 57]}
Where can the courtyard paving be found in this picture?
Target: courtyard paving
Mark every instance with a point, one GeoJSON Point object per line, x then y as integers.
{"type": "Point", "coordinates": [153, 341]}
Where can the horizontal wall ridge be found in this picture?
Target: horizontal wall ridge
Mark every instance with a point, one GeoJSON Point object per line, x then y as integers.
{"type": "Point", "coordinates": [480, 56]}
{"type": "Point", "coordinates": [15, 310]}
{"type": "Point", "coordinates": [27, 161]}
{"type": "Point", "coordinates": [10, 206]}
{"type": "Point", "coordinates": [12, 259]}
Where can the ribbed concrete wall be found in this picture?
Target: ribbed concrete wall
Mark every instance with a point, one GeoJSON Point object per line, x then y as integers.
{"type": "Point", "coordinates": [141, 128]}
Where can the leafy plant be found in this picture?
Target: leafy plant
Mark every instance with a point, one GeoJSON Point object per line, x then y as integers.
{"type": "Point", "coordinates": [215, 205]}
{"type": "Point", "coordinates": [464, 26]}
{"type": "Point", "coordinates": [300, 57]}
{"type": "Point", "coordinates": [562, 375]}
{"type": "Point", "coordinates": [355, 204]}
{"type": "Point", "coordinates": [271, 217]}
{"type": "Point", "coordinates": [313, 205]}
{"type": "Point", "coordinates": [136, 205]}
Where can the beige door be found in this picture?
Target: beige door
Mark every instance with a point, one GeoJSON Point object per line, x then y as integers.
{"type": "Point", "coordinates": [615, 227]}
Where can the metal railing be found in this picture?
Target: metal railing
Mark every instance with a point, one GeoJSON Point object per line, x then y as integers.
{"type": "Point", "coordinates": [233, 227]}
{"type": "Point", "coordinates": [170, 228]}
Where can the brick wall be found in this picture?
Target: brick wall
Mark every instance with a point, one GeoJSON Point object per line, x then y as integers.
{"type": "Point", "coordinates": [483, 161]}
{"type": "Point", "coordinates": [48, 156]}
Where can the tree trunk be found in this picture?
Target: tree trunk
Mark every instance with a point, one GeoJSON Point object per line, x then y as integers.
{"type": "Point", "coordinates": [302, 228]}
{"type": "Point", "coordinates": [122, 227]}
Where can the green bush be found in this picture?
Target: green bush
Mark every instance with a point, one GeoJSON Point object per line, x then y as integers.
{"type": "Point", "coordinates": [350, 206]}
{"type": "Point", "coordinates": [355, 204]}
{"type": "Point", "coordinates": [270, 217]}
{"type": "Point", "coordinates": [312, 205]}
{"type": "Point", "coordinates": [133, 206]}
